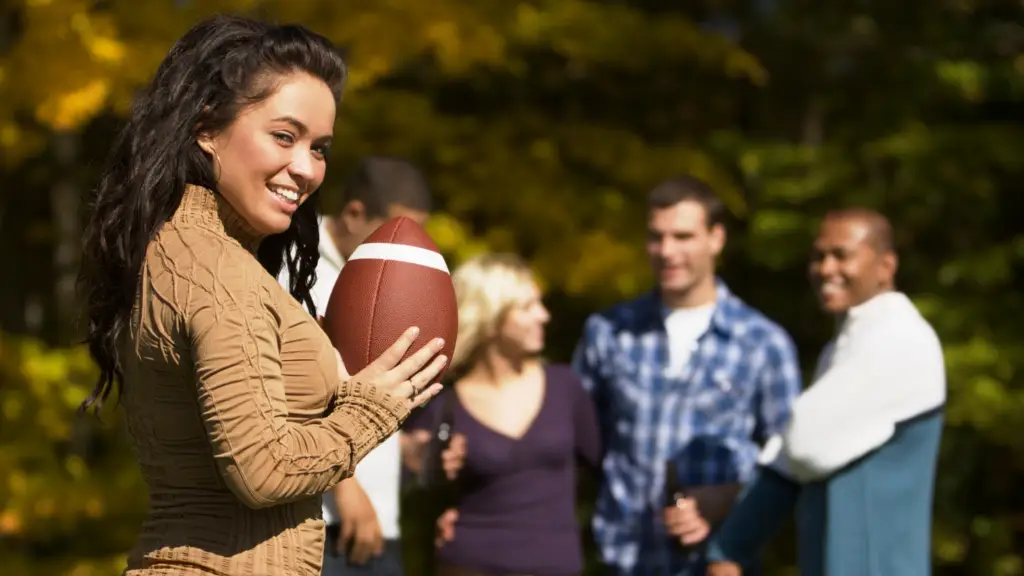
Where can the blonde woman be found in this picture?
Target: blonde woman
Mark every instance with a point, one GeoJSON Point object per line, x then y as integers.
{"type": "Point", "coordinates": [525, 423]}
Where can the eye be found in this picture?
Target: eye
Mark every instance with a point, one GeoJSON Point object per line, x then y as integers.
{"type": "Point", "coordinates": [284, 138]}
{"type": "Point", "coordinates": [322, 151]}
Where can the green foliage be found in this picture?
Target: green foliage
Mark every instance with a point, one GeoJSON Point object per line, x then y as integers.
{"type": "Point", "coordinates": [63, 478]}
{"type": "Point", "coordinates": [541, 126]}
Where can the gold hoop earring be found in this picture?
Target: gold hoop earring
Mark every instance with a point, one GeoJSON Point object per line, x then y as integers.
{"type": "Point", "coordinates": [216, 167]}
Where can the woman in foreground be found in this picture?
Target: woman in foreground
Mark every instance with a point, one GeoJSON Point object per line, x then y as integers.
{"type": "Point", "coordinates": [239, 409]}
{"type": "Point", "coordinates": [525, 423]}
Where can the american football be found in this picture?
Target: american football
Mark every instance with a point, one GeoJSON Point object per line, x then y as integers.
{"type": "Point", "coordinates": [395, 279]}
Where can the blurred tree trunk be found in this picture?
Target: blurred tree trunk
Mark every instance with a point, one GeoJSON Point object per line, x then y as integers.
{"type": "Point", "coordinates": [12, 315]}
{"type": "Point", "coordinates": [6, 23]}
{"type": "Point", "coordinates": [65, 208]}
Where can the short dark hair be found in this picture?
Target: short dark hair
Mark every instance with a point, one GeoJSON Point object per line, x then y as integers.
{"type": "Point", "coordinates": [381, 181]}
{"type": "Point", "coordinates": [879, 227]}
{"type": "Point", "coordinates": [688, 188]}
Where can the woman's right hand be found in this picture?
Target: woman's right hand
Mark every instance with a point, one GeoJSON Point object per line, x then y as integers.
{"type": "Point", "coordinates": [445, 528]}
{"type": "Point", "coordinates": [412, 379]}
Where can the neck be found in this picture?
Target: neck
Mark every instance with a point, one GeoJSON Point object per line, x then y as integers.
{"type": "Point", "coordinates": [497, 368]}
{"type": "Point", "coordinates": [699, 294]}
{"type": "Point", "coordinates": [339, 236]}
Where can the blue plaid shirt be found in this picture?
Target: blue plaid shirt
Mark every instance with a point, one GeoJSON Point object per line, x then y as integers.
{"type": "Point", "coordinates": [735, 392]}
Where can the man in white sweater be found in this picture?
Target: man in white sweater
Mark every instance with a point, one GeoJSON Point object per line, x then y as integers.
{"type": "Point", "coordinates": [858, 456]}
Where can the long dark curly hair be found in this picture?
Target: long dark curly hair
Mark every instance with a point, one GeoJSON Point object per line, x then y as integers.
{"type": "Point", "coordinates": [217, 68]}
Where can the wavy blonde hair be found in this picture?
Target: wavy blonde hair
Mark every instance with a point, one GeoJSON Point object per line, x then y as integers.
{"type": "Point", "coordinates": [487, 286]}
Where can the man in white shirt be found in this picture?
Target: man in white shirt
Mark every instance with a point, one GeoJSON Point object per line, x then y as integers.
{"type": "Point", "coordinates": [859, 454]}
{"type": "Point", "coordinates": [362, 512]}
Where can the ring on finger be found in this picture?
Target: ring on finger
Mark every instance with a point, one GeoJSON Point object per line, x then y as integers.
{"type": "Point", "coordinates": [419, 383]}
{"type": "Point", "coordinates": [415, 389]}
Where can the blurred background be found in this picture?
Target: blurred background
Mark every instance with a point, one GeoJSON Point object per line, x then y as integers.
{"type": "Point", "coordinates": [541, 126]}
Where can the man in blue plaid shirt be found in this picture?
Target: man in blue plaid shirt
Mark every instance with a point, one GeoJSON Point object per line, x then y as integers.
{"type": "Point", "coordinates": [686, 376]}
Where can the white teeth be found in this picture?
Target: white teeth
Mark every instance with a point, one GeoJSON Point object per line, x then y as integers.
{"type": "Point", "coordinates": [831, 287]}
{"type": "Point", "coordinates": [289, 195]}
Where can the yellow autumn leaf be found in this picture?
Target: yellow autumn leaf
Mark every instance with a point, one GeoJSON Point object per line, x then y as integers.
{"type": "Point", "coordinates": [70, 110]}
{"type": "Point", "coordinates": [9, 135]}
{"type": "Point", "coordinates": [10, 522]}
{"type": "Point", "coordinates": [102, 45]}
{"type": "Point", "coordinates": [94, 507]}
{"type": "Point", "coordinates": [446, 231]}
{"type": "Point", "coordinates": [45, 369]}
{"type": "Point", "coordinates": [45, 507]}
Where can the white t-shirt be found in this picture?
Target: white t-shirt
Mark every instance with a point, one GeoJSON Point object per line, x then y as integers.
{"type": "Point", "coordinates": [685, 326]}
{"type": "Point", "coordinates": [379, 473]}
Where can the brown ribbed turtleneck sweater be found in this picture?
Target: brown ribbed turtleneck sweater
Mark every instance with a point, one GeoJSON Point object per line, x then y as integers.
{"type": "Point", "coordinates": [234, 405]}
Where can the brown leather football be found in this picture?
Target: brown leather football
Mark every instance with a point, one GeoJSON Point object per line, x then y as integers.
{"type": "Point", "coordinates": [395, 279]}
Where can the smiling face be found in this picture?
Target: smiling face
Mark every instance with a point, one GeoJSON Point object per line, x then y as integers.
{"type": "Point", "coordinates": [682, 247]}
{"type": "Point", "coordinates": [273, 156]}
{"type": "Point", "coordinates": [847, 267]}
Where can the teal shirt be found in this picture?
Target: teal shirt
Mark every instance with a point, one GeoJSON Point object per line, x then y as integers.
{"type": "Point", "coordinates": [877, 514]}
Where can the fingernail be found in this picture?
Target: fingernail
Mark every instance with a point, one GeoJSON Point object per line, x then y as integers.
{"type": "Point", "coordinates": [415, 331]}
{"type": "Point", "coordinates": [444, 359]}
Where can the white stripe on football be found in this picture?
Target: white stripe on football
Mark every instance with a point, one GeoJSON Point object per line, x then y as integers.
{"type": "Point", "coordinates": [400, 253]}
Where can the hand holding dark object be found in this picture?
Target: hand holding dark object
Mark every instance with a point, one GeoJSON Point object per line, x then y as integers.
{"type": "Point", "coordinates": [453, 457]}
{"type": "Point", "coordinates": [681, 514]}
{"type": "Point", "coordinates": [685, 522]}
{"type": "Point", "coordinates": [443, 456]}
{"type": "Point", "coordinates": [442, 460]}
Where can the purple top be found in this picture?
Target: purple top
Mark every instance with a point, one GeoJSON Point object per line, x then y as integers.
{"type": "Point", "coordinates": [517, 498]}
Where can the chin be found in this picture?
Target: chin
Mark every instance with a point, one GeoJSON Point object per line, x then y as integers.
{"type": "Point", "coordinates": [270, 225]}
{"type": "Point", "coordinates": [834, 306]}
{"type": "Point", "coordinates": [675, 287]}
{"type": "Point", "coordinates": [533, 349]}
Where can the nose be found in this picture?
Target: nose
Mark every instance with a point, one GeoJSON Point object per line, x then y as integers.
{"type": "Point", "coordinates": [301, 167]}
{"type": "Point", "coordinates": [543, 315]}
{"type": "Point", "coordinates": [828, 266]}
{"type": "Point", "coordinates": [665, 247]}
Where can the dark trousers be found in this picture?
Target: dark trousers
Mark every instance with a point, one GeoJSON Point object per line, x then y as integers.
{"type": "Point", "coordinates": [389, 563]}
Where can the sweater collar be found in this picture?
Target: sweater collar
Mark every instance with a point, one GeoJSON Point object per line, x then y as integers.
{"type": "Point", "coordinates": [205, 208]}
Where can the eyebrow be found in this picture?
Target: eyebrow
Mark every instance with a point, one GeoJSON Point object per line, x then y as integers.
{"type": "Point", "coordinates": [299, 126]}
{"type": "Point", "coordinates": [293, 121]}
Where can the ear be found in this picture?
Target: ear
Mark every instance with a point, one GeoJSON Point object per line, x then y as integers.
{"type": "Point", "coordinates": [354, 210]}
{"type": "Point", "coordinates": [889, 264]}
{"type": "Point", "coordinates": [205, 142]}
{"type": "Point", "coordinates": [717, 238]}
